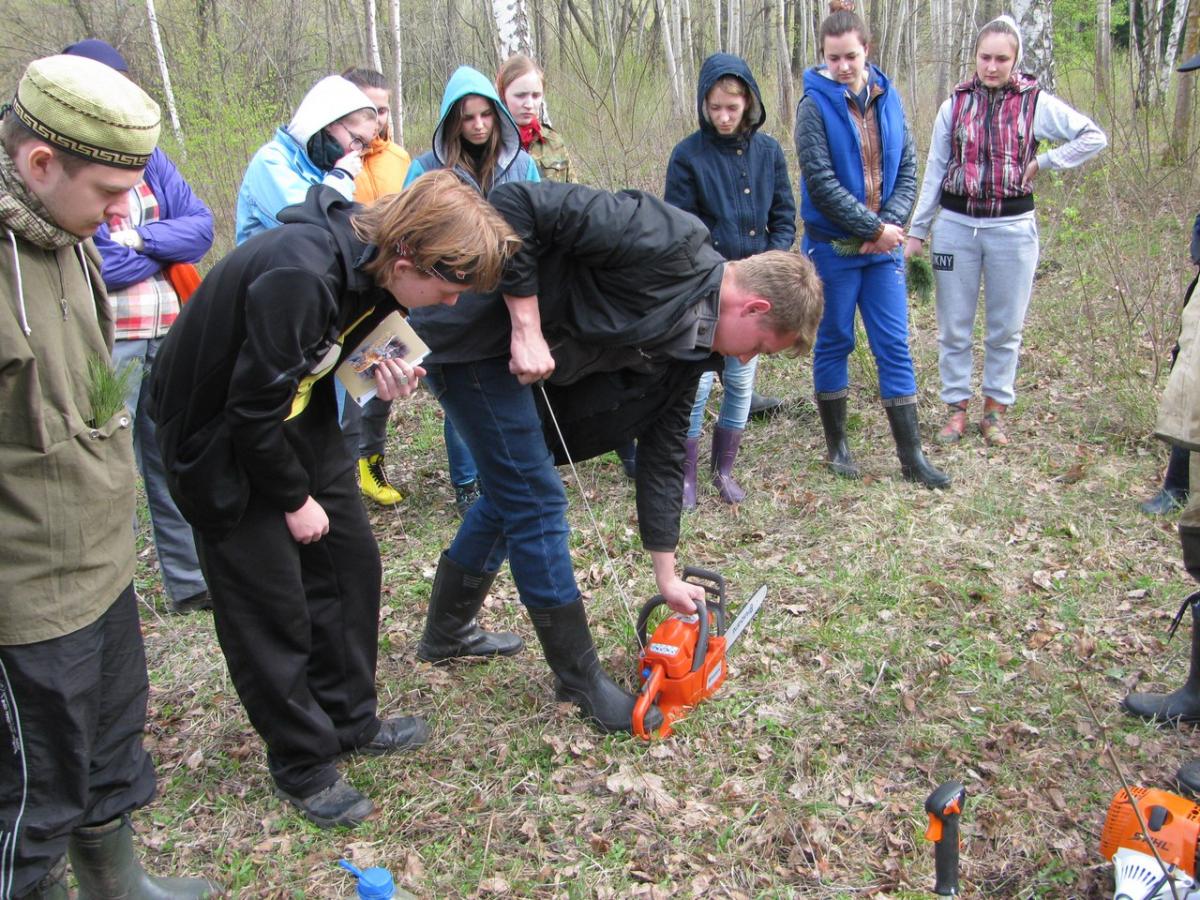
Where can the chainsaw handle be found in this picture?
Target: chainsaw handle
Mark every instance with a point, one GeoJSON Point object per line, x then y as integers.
{"type": "Point", "coordinates": [714, 585]}
{"type": "Point", "coordinates": [701, 643]}
{"type": "Point", "coordinates": [645, 698]}
{"type": "Point", "coordinates": [944, 807]}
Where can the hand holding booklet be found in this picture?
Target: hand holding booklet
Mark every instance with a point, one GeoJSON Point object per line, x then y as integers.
{"type": "Point", "coordinates": [393, 338]}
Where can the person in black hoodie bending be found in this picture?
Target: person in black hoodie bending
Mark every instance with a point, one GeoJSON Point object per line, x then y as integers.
{"type": "Point", "coordinates": [620, 302]}
{"type": "Point", "coordinates": [243, 398]}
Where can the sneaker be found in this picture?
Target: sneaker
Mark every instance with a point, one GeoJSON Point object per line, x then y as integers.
{"type": "Point", "coordinates": [373, 481]}
{"type": "Point", "coordinates": [1165, 502]}
{"type": "Point", "coordinates": [191, 604]}
{"type": "Point", "coordinates": [396, 734]}
{"type": "Point", "coordinates": [991, 426]}
{"type": "Point", "coordinates": [465, 496]}
{"type": "Point", "coordinates": [956, 426]}
{"type": "Point", "coordinates": [338, 804]}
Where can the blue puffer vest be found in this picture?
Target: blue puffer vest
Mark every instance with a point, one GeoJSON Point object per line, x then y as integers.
{"type": "Point", "coordinates": [845, 143]}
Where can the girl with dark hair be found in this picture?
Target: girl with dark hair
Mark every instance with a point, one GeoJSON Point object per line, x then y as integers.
{"type": "Point", "coordinates": [983, 158]}
{"type": "Point", "coordinates": [477, 139]}
{"type": "Point", "coordinates": [859, 180]}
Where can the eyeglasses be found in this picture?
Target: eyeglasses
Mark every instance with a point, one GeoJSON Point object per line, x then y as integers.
{"type": "Point", "coordinates": [356, 143]}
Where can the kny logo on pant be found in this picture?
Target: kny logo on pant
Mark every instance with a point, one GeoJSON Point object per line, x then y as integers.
{"type": "Point", "coordinates": [943, 262]}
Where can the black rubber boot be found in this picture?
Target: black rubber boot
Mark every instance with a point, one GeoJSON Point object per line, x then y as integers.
{"type": "Point", "coordinates": [833, 421]}
{"type": "Point", "coordinates": [567, 643]}
{"type": "Point", "coordinates": [907, 433]}
{"type": "Point", "coordinates": [53, 885]}
{"type": "Point", "coordinates": [104, 863]}
{"type": "Point", "coordinates": [1188, 777]}
{"type": "Point", "coordinates": [1182, 705]}
{"type": "Point", "coordinates": [450, 628]}
{"type": "Point", "coordinates": [1189, 540]}
{"type": "Point", "coordinates": [1173, 495]}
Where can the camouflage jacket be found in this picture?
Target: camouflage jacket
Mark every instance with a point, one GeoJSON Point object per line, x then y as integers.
{"type": "Point", "coordinates": [550, 154]}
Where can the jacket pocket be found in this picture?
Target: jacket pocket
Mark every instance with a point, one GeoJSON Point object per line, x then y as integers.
{"type": "Point", "coordinates": [208, 482]}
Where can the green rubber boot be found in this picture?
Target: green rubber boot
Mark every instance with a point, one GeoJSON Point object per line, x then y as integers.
{"type": "Point", "coordinates": [103, 859]}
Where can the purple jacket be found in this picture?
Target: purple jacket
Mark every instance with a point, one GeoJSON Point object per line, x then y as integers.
{"type": "Point", "coordinates": [184, 232]}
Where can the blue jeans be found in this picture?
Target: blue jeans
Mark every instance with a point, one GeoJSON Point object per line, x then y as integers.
{"type": "Point", "coordinates": [173, 539]}
{"type": "Point", "coordinates": [463, 470]}
{"type": "Point", "coordinates": [523, 511]}
{"type": "Point", "coordinates": [738, 383]}
{"type": "Point", "coordinates": [874, 285]}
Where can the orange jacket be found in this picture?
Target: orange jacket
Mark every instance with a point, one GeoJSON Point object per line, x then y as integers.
{"type": "Point", "coordinates": [385, 165]}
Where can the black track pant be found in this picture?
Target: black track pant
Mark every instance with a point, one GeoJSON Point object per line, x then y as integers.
{"type": "Point", "coordinates": [299, 627]}
{"type": "Point", "coordinates": [72, 713]}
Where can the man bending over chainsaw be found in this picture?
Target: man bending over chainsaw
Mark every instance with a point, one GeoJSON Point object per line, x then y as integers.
{"type": "Point", "coordinates": [617, 303]}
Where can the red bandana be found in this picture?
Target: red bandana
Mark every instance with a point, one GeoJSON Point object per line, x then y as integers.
{"type": "Point", "coordinates": [530, 133]}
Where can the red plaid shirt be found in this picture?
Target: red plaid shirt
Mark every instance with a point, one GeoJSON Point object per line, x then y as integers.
{"type": "Point", "coordinates": [146, 309]}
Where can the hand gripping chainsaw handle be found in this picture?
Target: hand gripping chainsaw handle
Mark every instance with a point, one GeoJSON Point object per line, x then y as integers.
{"type": "Point", "coordinates": [945, 806]}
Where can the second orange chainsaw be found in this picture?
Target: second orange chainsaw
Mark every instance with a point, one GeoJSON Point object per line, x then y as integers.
{"type": "Point", "coordinates": [683, 661]}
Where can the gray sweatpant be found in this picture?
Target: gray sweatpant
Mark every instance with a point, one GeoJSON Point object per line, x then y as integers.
{"type": "Point", "coordinates": [1004, 257]}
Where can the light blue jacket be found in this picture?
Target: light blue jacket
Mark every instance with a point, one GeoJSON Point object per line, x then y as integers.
{"type": "Point", "coordinates": [513, 163]}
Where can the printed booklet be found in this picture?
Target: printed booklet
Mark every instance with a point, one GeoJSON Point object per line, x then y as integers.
{"type": "Point", "coordinates": [393, 338]}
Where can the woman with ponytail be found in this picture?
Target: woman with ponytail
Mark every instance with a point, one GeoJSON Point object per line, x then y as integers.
{"type": "Point", "coordinates": [983, 159]}
{"type": "Point", "coordinates": [859, 177]}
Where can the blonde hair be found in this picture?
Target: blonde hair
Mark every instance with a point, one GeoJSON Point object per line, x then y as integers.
{"type": "Point", "coordinates": [789, 281]}
{"type": "Point", "coordinates": [516, 66]}
{"type": "Point", "coordinates": [438, 221]}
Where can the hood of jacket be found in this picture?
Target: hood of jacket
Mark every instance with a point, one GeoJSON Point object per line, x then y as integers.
{"type": "Point", "coordinates": [326, 101]}
{"type": "Point", "coordinates": [714, 69]}
{"type": "Point", "coordinates": [464, 81]}
{"type": "Point", "coordinates": [1019, 84]}
{"type": "Point", "coordinates": [816, 79]}
{"type": "Point", "coordinates": [324, 207]}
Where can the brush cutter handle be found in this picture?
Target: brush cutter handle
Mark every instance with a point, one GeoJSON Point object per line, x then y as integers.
{"type": "Point", "coordinates": [945, 806]}
{"type": "Point", "coordinates": [701, 642]}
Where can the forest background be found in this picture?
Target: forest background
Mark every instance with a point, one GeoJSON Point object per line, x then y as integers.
{"type": "Point", "coordinates": [986, 633]}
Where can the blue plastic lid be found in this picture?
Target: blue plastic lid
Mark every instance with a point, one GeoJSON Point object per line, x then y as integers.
{"type": "Point", "coordinates": [376, 884]}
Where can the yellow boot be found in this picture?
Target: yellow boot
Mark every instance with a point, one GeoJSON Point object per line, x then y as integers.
{"type": "Point", "coordinates": [373, 481]}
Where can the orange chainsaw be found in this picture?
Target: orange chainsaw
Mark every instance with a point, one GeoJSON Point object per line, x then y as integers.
{"type": "Point", "coordinates": [683, 662]}
{"type": "Point", "coordinates": [1172, 827]}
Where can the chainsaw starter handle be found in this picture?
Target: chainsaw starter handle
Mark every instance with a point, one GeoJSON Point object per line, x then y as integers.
{"type": "Point", "coordinates": [701, 643]}
{"type": "Point", "coordinates": [945, 806]}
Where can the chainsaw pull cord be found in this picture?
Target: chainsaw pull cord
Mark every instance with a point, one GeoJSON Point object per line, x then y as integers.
{"type": "Point", "coordinates": [1187, 601]}
{"type": "Point", "coordinates": [612, 568]}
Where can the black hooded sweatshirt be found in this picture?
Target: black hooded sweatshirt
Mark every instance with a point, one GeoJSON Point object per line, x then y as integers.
{"type": "Point", "coordinates": [242, 392]}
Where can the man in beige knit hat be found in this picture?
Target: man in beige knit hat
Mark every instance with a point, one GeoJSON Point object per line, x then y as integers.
{"type": "Point", "coordinates": [73, 684]}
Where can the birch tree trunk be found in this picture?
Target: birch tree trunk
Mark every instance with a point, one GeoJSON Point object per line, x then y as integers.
{"type": "Point", "coordinates": [1037, 30]}
{"type": "Point", "coordinates": [664, 26]}
{"type": "Point", "coordinates": [373, 37]}
{"type": "Point", "coordinates": [1103, 73]}
{"type": "Point", "coordinates": [718, 35]}
{"type": "Point", "coordinates": [1171, 53]}
{"type": "Point", "coordinates": [1180, 143]}
{"type": "Point", "coordinates": [512, 27]}
{"type": "Point", "coordinates": [1146, 44]}
{"type": "Point", "coordinates": [166, 75]}
{"type": "Point", "coordinates": [397, 115]}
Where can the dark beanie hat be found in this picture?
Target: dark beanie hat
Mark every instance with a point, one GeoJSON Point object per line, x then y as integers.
{"type": "Point", "coordinates": [94, 48]}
